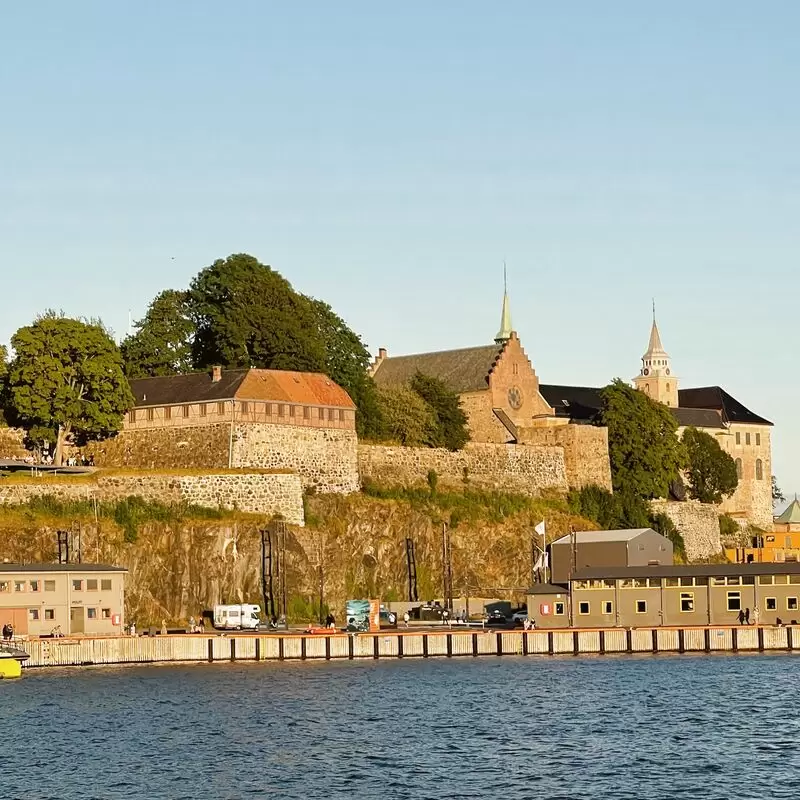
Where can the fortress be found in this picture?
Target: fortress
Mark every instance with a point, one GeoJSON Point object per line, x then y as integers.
{"type": "Point", "coordinates": [525, 436]}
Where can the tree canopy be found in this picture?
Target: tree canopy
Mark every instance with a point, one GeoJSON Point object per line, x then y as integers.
{"type": "Point", "coordinates": [162, 344]}
{"type": "Point", "coordinates": [66, 379]}
{"type": "Point", "coordinates": [777, 493]}
{"type": "Point", "coordinates": [405, 417]}
{"type": "Point", "coordinates": [451, 422]}
{"type": "Point", "coordinates": [710, 471]}
{"type": "Point", "coordinates": [643, 446]}
{"type": "Point", "coordinates": [247, 315]}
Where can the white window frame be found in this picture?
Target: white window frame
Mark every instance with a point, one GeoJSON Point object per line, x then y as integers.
{"type": "Point", "coordinates": [588, 605]}
{"type": "Point", "coordinates": [643, 610]}
{"type": "Point", "coordinates": [731, 596]}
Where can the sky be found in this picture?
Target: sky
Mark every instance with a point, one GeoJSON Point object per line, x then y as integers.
{"type": "Point", "coordinates": [388, 158]}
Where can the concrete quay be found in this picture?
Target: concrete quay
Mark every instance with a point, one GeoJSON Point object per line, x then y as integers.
{"type": "Point", "coordinates": [445, 643]}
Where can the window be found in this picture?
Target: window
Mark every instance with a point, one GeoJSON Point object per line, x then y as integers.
{"type": "Point", "coordinates": [306, 413]}
{"type": "Point", "coordinates": [738, 467]}
{"type": "Point", "coordinates": [583, 607]}
{"type": "Point", "coordinates": [203, 409]}
{"type": "Point", "coordinates": [670, 582]}
{"type": "Point", "coordinates": [132, 415]}
{"type": "Point", "coordinates": [91, 613]}
{"type": "Point", "coordinates": [515, 369]}
{"type": "Point", "coordinates": [49, 613]}
{"type": "Point", "coordinates": [150, 414]}
{"type": "Point", "coordinates": [738, 437]}
{"type": "Point", "coordinates": [608, 607]}
{"type": "Point", "coordinates": [701, 581]}
{"type": "Point", "coordinates": [5, 586]}
{"type": "Point", "coordinates": [245, 406]}
{"type": "Point", "coordinates": [186, 411]}
{"type": "Point", "coordinates": [33, 614]}
{"type": "Point", "coordinates": [747, 438]}
{"type": "Point", "coordinates": [91, 585]}
{"type": "Point", "coordinates": [35, 586]}
{"type": "Point", "coordinates": [291, 411]}
{"type": "Point", "coordinates": [759, 470]}
{"type": "Point", "coordinates": [667, 387]}
{"type": "Point", "coordinates": [758, 440]}
{"type": "Point", "coordinates": [106, 613]}
{"type": "Point", "coordinates": [221, 408]}
{"type": "Point", "coordinates": [687, 601]}
{"type": "Point", "coordinates": [766, 580]}
{"type": "Point", "coordinates": [734, 601]}
{"type": "Point", "coordinates": [105, 584]}
{"type": "Point", "coordinates": [641, 606]}
{"type": "Point", "coordinates": [341, 415]}
{"type": "Point", "coordinates": [558, 609]}
{"type": "Point", "coordinates": [791, 604]}
{"type": "Point", "coordinates": [19, 586]}
{"type": "Point", "coordinates": [49, 586]}
{"type": "Point", "coordinates": [281, 410]}
{"type": "Point", "coordinates": [167, 412]}
{"type": "Point", "coordinates": [77, 585]}
{"type": "Point", "coordinates": [687, 582]}
{"type": "Point", "coordinates": [771, 604]}
{"type": "Point", "coordinates": [331, 413]}
{"type": "Point", "coordinates": [734, 580]}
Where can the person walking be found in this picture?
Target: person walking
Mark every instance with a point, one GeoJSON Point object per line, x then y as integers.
{"type": "Point", "coordinates": [406, 618]}
{"type": "Point", "coordinates": [747, 616]}
{"type": "Point", "coordinates": [192, 625]}
{"type": "Point", "coordinates": [740, 617]}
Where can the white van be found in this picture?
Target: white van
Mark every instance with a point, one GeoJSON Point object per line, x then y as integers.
{"type": "Point", "coordinates": [236, 618]}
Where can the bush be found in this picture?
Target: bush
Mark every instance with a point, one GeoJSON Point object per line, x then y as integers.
{"type": "Point", "coordinates": [666, 527]}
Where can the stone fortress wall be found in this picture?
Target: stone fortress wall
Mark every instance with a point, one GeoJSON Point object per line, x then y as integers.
{"type": "Point", "coordinates": [504, 467]}
{"type": "Point", "coordinates": [698, 524]}
{"type": "Point", "coordinates": [271, 494]}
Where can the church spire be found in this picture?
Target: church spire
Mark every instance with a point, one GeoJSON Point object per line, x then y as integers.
{"type": "Point", "coordinates": [656, 378]}
{"type": "Point", "coordinates": [504, 334]}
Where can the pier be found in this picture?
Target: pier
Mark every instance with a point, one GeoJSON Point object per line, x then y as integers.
{"type": "Point", "coordinates": [446, 643]}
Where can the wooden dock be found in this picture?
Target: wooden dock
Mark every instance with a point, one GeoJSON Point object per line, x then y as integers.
{"type": "Point", "coordinates": [445, 643]}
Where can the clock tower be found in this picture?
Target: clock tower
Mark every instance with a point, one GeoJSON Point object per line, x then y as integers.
{"type": "Point", "coordinates": [655, 378]}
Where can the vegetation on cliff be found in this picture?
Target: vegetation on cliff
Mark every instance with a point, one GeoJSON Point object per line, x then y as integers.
{"type": "Point", "coordinates": [710, 471]}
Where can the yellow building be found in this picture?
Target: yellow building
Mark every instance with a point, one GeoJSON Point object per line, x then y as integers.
{"type": "Point", "coordinates": [781, 544]}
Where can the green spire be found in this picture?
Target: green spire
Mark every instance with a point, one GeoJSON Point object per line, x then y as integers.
{"type": "Point", "coordinates": [504, 334]}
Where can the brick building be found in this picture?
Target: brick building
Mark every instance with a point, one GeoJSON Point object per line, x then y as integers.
{"type": "Point", "coordinates": [269, 419]}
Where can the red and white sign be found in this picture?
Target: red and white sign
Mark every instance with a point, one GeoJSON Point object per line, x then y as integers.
{"type": "Point", "coordinates": [544, 609]}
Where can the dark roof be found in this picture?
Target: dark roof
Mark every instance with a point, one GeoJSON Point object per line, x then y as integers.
{"type": "Point", "coordinates": [196, 387]}
{"type": "Point", "coordinates": [697, 570]}
{"type": "Point", "coordinates": [579, 403]}
{"type": "Point", "coordinates": [465, 370]}
{"type": "Point", "coordinates": [547, 588]}
{"type": "Point", "coordinates": [698, 417]}
{"type": "Point", "coordinates": [60, 568]}
{"type": "Point", "coordinates": [717, 398]}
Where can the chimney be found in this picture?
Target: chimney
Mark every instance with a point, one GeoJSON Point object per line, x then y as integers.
{"type": "Point", "coordinates": [381, 353]}
{"type": "Point", "coordinates": [379, 359]}
{"type": "Point", "coordinates": [216, 374]}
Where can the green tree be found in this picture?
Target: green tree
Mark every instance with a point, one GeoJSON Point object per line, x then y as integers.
{"type": "Point", "coordinates": [346, 362]}
{"type": "Point", "coordinates": [777, 494]}
{"type": "Point", "coordinates": [248, 315]}
{"type": "Point", "coordinates": [451, 421]}
{"type": "Point", "coordinates": [662, 524]}
{"type": "Point", "coordinates": [162, 344]}
{"type": "Point", "coordinates": [406, 417]}
{"type": "Point", "coordinates": [643, 446]}
{"type": "Point", "coordinates": [66, 379]}
{"type": "Point", "coordinates": [710, 471]}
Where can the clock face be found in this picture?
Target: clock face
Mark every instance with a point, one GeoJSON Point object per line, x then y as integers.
{"type": "Point", "coordinates": [645, 371]}
{"type": "Point", "coordinates": [667, 372]}
{"type": "Point", "coordinates": [515, 397]}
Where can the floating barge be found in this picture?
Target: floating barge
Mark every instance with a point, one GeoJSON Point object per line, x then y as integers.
{"type": "Point", "coordinates": [446, 643]}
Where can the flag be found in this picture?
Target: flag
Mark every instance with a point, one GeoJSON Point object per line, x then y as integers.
{"type": "Point", "coordinates": [540, 528]}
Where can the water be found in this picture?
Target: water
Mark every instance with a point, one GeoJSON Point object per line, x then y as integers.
{"type": "Point", "coordinates": [607, 727]}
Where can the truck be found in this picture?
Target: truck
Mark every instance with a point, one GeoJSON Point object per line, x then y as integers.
{"type": "Point", "coordinates": [237, 617]}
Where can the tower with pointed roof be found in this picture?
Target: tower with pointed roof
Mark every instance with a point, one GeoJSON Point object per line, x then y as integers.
{"type": "Point", "coordinates": [655, 378]}
{"type": "Point", "coordinates": [504, 334]}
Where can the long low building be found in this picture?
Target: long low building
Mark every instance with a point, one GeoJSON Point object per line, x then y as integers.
{"type": "Point", "coordinates": [685, 595]}
{"type": "Point", "coordinates": [75, 598]}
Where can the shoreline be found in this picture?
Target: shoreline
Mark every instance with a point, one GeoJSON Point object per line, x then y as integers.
{"type": "Point", "coordinates": [449, 643]}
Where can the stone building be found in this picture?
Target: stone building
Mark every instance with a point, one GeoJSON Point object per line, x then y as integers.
{"type": "Point", "coordinates": [504, 401]}
{"type": "Point", "coordinates": [243, 418]}
{"type": "Point", "coordinates": [743, 434]}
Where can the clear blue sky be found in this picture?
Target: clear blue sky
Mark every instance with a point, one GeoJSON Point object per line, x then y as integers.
{"type": "Point", "coordinates": [387, 157]}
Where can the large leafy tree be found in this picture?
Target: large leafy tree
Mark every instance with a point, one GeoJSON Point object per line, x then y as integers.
{"type": "Point", "coordinates": [451, 421]}
{"type": "Point", "coordinates": [248, 315]}
{"type": "Point", "coordinates": [710, 471]}
{"type": "Point", "coordinates": [162, 344]}
{"type": "Point", "coordinates": [66, 379]}
{"type": "Point", "coordinates": [406, 417]}
{"type": "Point", "coordinates": [643, 445]}
{"type": "Point", "coordinates": [346, 362]}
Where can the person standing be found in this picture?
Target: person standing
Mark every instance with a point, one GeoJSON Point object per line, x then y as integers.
{"type": "Point", "coordinates": [406, 618]}
{"type": "Point", "coordinates": [756, 615]}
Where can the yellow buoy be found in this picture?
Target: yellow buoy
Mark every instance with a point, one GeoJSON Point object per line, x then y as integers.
{"type": "Point", "coordinates": [10, 667]}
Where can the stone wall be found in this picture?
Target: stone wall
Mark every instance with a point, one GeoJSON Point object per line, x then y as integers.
{"type": "Point", "coordinates": [585, 451]}
{"type": "Point", "coordinates": [325, 459]}
{"type": "Point", "coordinates": [201, 447]}
{"type": "Point", "coordinates": [507, 467]}
{"type": "Point", "coordinates": [255, 493]}
{"type": "Point", "coordinates": [698, 524]}
{"type": "Point", "coordinates": [11, 443]}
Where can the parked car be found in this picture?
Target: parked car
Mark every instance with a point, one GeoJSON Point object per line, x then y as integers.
{"type": "Point", "coordinates": [497, 619]}
{"type": "Point", "coordinates": [520, 616]}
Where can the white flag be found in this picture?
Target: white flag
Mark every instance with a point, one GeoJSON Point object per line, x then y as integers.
{"type": "Point", "coordinates": [540, 528]}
